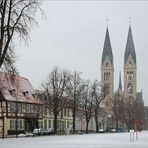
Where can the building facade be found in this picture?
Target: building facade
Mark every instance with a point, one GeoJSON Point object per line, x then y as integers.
{"type": "Point", "coordinates": [20, 109]}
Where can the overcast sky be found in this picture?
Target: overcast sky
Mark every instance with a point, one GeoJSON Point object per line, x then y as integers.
{"type": "Point", "coordinates": [72, 37]}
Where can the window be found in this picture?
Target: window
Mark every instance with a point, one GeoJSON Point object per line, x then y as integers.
{"type": "Point", "coordinates": [13, 92]}
{"type": "Point", "coordinates": [64, 111]}
{"type": "Point", "coordinates": [129, 88]}
{"type": "Point", "coordinates": [68, 112]}
{"type": "Point", "coordinates": [24, 108]}
{"type": "Point", "coordinates": [31, 108]}
{"type": "Point", "coordinates": [26, 93]}
{"type": "Point", "coordinates": [45, 110]}
{"type": "Point", "coordinates": [12, 107]}
{"type": "Point", "coordinates": [106, 64]}
{"type": "Point", "coordinates": [49, 123]}
{"type": "Point", "coordinates": [130, 75]}
{"type": "Point", "coordinates": [61, 113]}
{"type": "Point", "coordinates": [45, 124]}
{"type": "Point", "coordinates": [27, 108]}
{"type": "Point", "coordinates": [19, 107]}
{"type": "Point", "coordinates": [67, 124]}
{"type": "Point", "coordinates": [130, 63]}
{"type": "Point", "coordinates": [40, 124]}
{"type": "Point", "coordinates": [40, 109]}
{"type": "Point", "coordinates": [20, 124]}
{"type": "Point", "coordinates": [50, 113]}
{"type": "Point", "coordinates": [12, 124]}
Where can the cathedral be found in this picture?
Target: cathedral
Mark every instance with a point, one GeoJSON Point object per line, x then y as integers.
{"type": "Point", "coordinates": [129, 70]}
{"type": "Point", "coordinates": [130, 67]}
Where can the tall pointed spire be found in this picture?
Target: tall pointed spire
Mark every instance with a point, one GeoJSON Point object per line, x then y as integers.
{"type": "Point", "coordinates": [107, 50]}
{"type": "Point", "coordinates": [120, 83]}
{"type": "Point", "coordinates": [130, 49]}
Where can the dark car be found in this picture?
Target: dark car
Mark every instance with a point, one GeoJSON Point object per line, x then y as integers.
{"type": "Point", "coordinates": [39, 131]}
{"type": "Point", "coordinates": [49, 131]}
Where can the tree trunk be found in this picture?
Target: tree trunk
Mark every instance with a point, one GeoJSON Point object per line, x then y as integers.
{"type": "Point", "coordinates": [87, 122]}
{"type": "Point", "coordinates": [74, 117]}
{"type": "Point", "coordinates": [117, 125]}
{"type": "Point", "coordinates": [96, 120]}
{"type": "Point", "coordinates": [97, 126]}
{"type": "Point", "coordinates": [55, 123]}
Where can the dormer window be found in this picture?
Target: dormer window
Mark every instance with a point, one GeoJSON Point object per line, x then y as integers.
{"type": "Point", "coordinates": [33, 95]}
{"type": "Point", "coordinates": [26, 94]}
{"type": "Point", "coordinates": [13, 92]}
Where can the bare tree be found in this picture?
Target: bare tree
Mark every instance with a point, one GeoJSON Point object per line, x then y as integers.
{"type": "Point", "coordinates": [16, 20]}
{"type": "Point", "coordinates": [87, 104]}
{"type": "Point", "coordinates": [75, 87]}
{"type": "Point", "coordinates": [139, 112]}
{"type": "Point", "coordinates": [129, 111]}
{"type": "Point", "coordinates": [56, 93]}
{"type": "Point", "coordinates": [98, 98]}
{"type": "Point", "coordinates": [134, 112]}
{"type": "Point", "coordinates": [118, 109]}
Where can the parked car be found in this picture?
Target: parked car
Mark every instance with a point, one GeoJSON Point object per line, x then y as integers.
{"type": "Point", "coordinates": [49, 131]}
{"type": "Point", "coordinates": [113, 130]}
{"type": "Point", "coordinates": [101, 130]}
{"type": "Point", "coordinates": [39, 131]}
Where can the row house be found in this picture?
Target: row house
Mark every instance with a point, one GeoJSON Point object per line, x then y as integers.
{"type": "Point", "coordinates": [20, 108]}
{"type": "Point", "coordinates": [64, 119]}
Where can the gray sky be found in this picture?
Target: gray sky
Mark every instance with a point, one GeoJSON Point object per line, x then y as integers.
{"type": "Point", "coordinates": [72, 37]}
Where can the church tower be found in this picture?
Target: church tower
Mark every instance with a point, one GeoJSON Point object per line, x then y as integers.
{"type": "Point", "coordinates": [107, 66]}
{"type": "Point", "coordinates": [130, 67]}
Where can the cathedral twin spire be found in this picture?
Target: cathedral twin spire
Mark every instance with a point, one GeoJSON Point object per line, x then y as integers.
{"type": "Point", "coordinates": [107, 53]}
{"type": "Point", "coordinates": [130, 49]}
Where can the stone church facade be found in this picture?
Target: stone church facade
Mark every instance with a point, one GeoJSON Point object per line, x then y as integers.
{"type": "Point", "coordinates": [129, 70]}
{"type": "Point", "coordinates": [130, 67]}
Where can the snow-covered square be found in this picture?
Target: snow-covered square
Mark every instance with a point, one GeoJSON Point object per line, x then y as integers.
{"type": "Point", "coordinates": [100, 140]}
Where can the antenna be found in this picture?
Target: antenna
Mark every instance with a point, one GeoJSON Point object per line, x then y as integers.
{"type": "Point", "coordinates": [130, 19]}
{"type": "Point", "coordinates": [107, 20]}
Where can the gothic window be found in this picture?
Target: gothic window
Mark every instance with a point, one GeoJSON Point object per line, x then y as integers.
{"type": "Point", "coordinates": [130, 63]}
{"type": "Point", "coordinates": [106, 76]}
{"type": "Point", "coordinates": [129, 88]}
{"type": "Point", "coordinates": [130, 75]}
{"type": "Point", "coordinates": [106, 64]}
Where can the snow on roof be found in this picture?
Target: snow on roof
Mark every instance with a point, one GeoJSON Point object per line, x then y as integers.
{"type": "Point", "coordinates": [20, 85]}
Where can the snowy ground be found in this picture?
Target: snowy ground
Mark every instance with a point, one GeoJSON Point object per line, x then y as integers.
{"type": "Point", "coordinates": [101, 140]}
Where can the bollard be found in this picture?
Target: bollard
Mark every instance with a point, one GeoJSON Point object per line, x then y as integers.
{"type": "Point", "coordinates": [131, 135]}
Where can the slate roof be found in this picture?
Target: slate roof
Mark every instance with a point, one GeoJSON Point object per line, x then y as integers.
{"type": "Point", "coordinates": [130, 49]}
{"type": "Point", "coordinates": [9, 82]}
{"type": "Point", "coordinates": [107, 50]}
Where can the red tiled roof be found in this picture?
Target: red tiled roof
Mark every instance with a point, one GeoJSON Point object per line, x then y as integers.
{"type": "Point", "coordinates": [9, 82]}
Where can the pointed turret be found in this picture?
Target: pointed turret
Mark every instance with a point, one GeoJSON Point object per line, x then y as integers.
{"type": "Point", "coordinates": [107, 50]}
{"type": "Point", "coordinates": [120, 83]}
{"type": "Point", "coordinates": [130, 49]}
